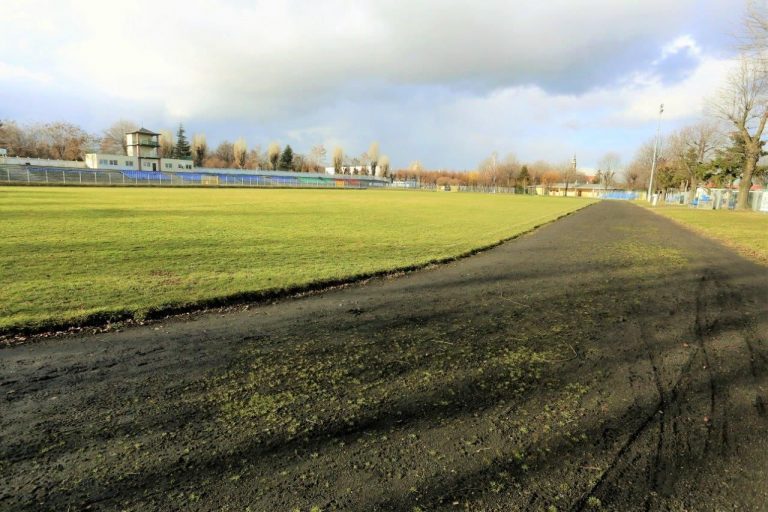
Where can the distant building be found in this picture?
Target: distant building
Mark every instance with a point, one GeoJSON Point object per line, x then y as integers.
{"type": "Point", "coordinates": [360, 170]}
{"type": "Point", "coordinates": [574, 189]}
{"type": "Point", "coordinates": [142, 155]}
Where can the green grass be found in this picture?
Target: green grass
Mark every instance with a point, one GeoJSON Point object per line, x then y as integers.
{"type": "Point", "coordinates": [744, 231]}
{"type": "Point", "coordinates": [67, 254]}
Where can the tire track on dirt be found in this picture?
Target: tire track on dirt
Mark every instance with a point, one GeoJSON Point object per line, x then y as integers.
{"type": "Point", "coordinates": [660, 467]}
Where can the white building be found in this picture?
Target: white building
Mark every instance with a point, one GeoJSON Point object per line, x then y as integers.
{"type": "Point", "coordinates": [362, 170]}
{"type": "Point", "coordinates": [142, 155]}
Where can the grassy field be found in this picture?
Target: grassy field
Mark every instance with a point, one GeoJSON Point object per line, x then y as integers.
{"type": "Point", "coordinates": [744, 231]}
{"type": "Point", "coordinates": [67, 254]}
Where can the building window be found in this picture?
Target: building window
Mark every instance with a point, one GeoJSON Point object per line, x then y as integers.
{"type": "Point", "coordinates": [181, 166]}
{"type": "Point", "coordinates": [113, 162]}
{"type": "Point", "coordinates": [102, 162]}
{"type": "Point", "coordinates": [189, 166]}
{"type": "Point", "coordinates": [169, 166]}
{"type": "Point", "coordinates": [129, 162]}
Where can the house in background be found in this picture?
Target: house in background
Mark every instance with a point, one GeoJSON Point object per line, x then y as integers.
{"type": "Point", "coordinates": [142, 148]}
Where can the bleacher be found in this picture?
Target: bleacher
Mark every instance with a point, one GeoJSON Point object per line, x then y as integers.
{"type": "Point", "coordinates": [28, 174]}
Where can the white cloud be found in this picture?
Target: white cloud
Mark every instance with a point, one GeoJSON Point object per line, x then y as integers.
{"type": "Point", "coordinates": [432, 77]}
{"type": "Point", "coordinates": [683, 43]}
{"type": "Point", "coordinates": [234, 58]}
{"type": "Point", "coordinates": [14, 73]}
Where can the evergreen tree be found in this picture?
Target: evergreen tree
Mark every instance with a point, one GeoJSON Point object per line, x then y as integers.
{"type": "Point", "coordinates": [524, 176]}
{"type": "Point", "coordinates": [182, 149]}
{"type": "Point", "coordinates": [286, 159]}
{"type": "Point", "coordinates": [729, 161]}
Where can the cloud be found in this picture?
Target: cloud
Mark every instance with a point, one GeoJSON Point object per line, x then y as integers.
{"type": "Point", "coordinates": [445, 81]}
{"type": "Point", "coordinates": [684, 43]}
{"type": "Point", "coordinates": [212, 58]}
{"type": "Point", "coordinates": [14, 73]}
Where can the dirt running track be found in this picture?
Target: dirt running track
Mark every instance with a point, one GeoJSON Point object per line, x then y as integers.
{"type": "Point", "coordinates": [608, 361]}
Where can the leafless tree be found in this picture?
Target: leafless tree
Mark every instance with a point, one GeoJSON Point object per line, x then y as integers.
{"type": "Point", "coordinates": [167, 144]}
{"type": "Point", "coordinates": [568, 174]}
{"type": "Point", "coordinates": [638, 172]}
{"type": "Point", "coordinates": [199, 149]}
{"type": "Point", "coordinates": [689, 150]}
{"type": "Point", "coordinates": [256, 159]}
{"type": "Point", "coordinates": [316, 158]}
{"type": "Point", "coordinates": [66, 141]}
{"type": "Point", "coordinates": [743, 102]}
{"type": "Point", "coordinates": [240, 153]}
{"type": "Point", "coordinates": [338, 159]}
{"type": "Point", "coordinates": [383, 169]}
{"type": "Point", "coordinates": [373, 156]}
{"type": "Point", "coordinates": [273, 154]}
{"type": "Point", "coordinates": [225, 154]}
{"type": "Point", "coordinates": [609, 166]}
{"type": "Point", "coordinates": [12, 138]}
{"type": "Point", "coordinates": [753, 41]}
{"type": "Point", "coordinates": [113, 140]}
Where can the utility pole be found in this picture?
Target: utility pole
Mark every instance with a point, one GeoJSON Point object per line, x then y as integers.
{"type": "Point", "coordinates": [655, 152]}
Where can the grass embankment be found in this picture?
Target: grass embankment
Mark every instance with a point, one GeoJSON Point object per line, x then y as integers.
{"type": "Point", "coordinates": [744, 231]}
{"type": "Point", "coordinates": [74, 255]}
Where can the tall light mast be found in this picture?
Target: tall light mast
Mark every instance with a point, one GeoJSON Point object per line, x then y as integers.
{"type": "Point", "coordinates": [655, 152]}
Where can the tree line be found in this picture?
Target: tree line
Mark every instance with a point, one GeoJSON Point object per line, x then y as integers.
{"type": "Point", "coordinates": [507, 172]}
{"type": "Point", "coordinates": [67, 141]}
{"type": "Point", "coordinates": [727, 145]}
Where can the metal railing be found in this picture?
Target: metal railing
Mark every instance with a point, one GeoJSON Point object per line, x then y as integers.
{"type": "Point", "coordinates": [31, 175]}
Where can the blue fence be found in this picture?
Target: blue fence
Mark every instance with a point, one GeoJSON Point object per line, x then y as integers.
{"type": "Point", "coordinates": [620, 195]}
{"type": "Point", "coordinates": [147, 175]}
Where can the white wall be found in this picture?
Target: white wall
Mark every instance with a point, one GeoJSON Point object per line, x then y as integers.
{"type": "Point", "coordinates": [43, 162]}
{"type": "Point", "coordinates": [105, 161]}
{"type": "Point", "coordinates": [176, 165]}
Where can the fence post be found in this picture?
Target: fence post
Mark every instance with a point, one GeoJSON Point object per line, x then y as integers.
{"type": "Point", "coordinates": [8, 172]}
{"type": "Point", "coordinates": [28, 179]}
{"type": "Point", "coordinates": [110, 179]}
{"type": "Point", "coordinates": [46, 176]}
{"type": "Point", "coordinates": [80, 173]}
{"type": "Point", "coordinates": [63, 177]}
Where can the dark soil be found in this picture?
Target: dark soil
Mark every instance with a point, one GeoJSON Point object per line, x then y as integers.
{"type": "Point", "coordinates": [609, 361]}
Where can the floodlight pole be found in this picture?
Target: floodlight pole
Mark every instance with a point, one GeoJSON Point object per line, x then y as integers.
{"type": "Point", "coordinates": [655, 152]}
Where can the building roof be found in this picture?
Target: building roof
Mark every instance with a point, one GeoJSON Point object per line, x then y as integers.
{"type": "Point", "coordinates": [144, 131]}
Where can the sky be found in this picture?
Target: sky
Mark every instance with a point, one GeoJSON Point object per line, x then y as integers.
{"type": "Point", "coordinates": [444, 82]}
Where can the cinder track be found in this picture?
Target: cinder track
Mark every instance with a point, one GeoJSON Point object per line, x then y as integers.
{"type": "Point", "coordinates": [611, 360]}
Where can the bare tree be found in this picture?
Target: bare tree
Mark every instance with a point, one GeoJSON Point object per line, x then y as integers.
{"type": "Point", "coordinates": [568, 174]}
{"type": "Point", "coordinates": [66, 141]}
{"type": "Point", "coordinates": [743, 102]}
{"type": "Point", "coordinates": [754, 40]}
{"type": "Point", "coordinates": [383, 169]}
{"type": "Point", "coordinates": [273, 155]}
{"type": "Point", "coordinates": [689, 151]}
{"type": "Point", "coordinates": [256, 159]}
{"type": "Point", "coordinates": [316, 158]}
{"type": "Point", "coordinates": [12, 138]}
{"type": "Point", "coordinates": [373, 156]}
{"type": "Point", "coordinates": [167, 144]}
{"type": "Point", "coordinates": [638, 172]}
{"type": "Point", "coordinates": [225, 154]}
{"type": "Point", "coordinates": [240, 153]}
{"type": "Point", "coordinates": [113, 140]}
{"type": "Point", "coordinates": [609, 166]}
{"type": "Point", "coordinates": [199, 149]}
{"type": "Point", "coordinates": [507, 170]}
{"type": "Point", "coordinates": [338, 159]}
